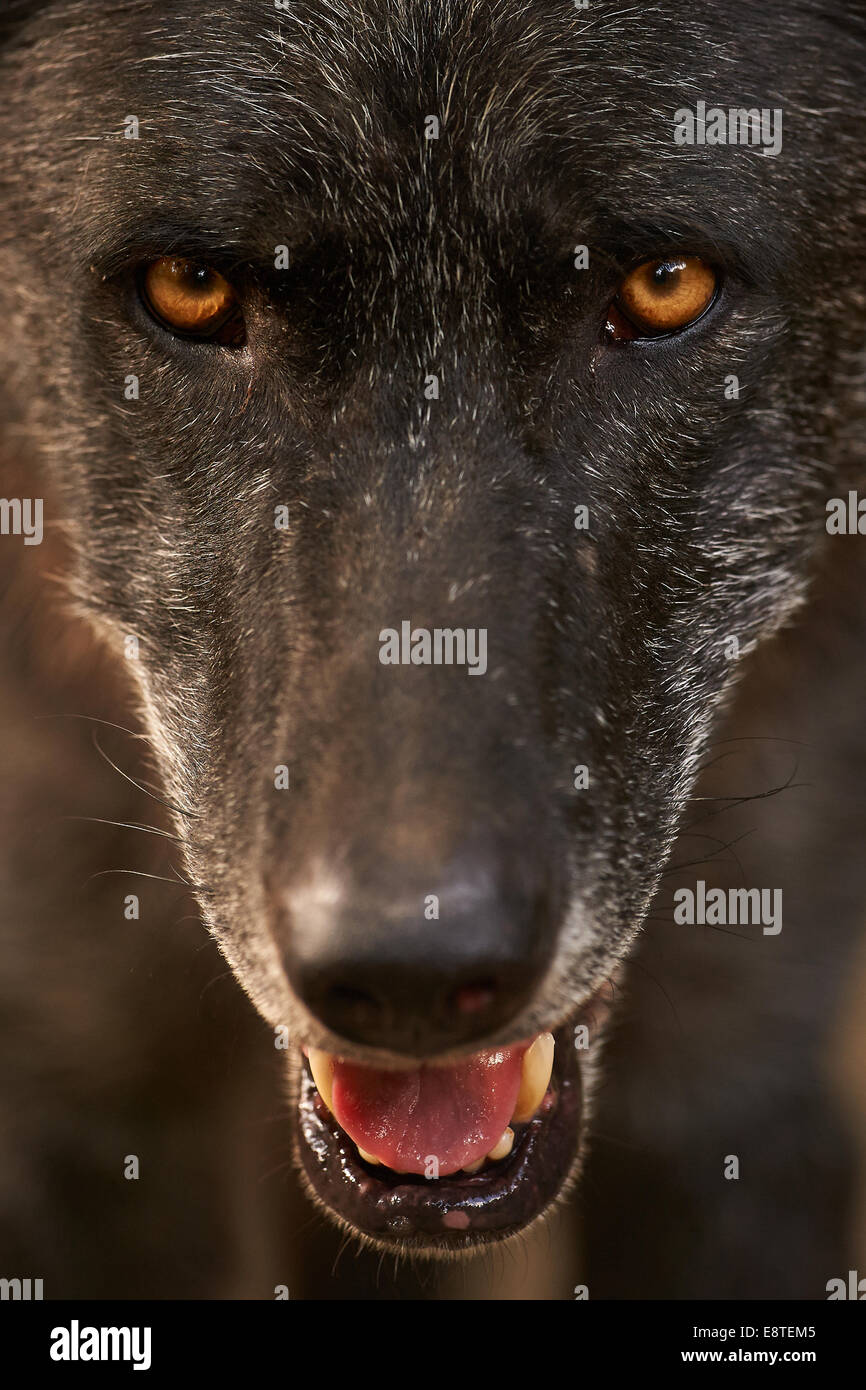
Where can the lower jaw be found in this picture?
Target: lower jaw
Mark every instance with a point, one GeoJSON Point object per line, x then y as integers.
{"type": "Point", "coordinates": [454, 1213]}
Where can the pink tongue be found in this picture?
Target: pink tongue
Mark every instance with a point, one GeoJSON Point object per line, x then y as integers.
{"type": "Point", "coordinates": [455, 1114]}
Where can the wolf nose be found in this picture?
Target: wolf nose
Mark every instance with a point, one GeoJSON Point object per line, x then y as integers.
{"type": "Point", "coordinates": [425, 972]}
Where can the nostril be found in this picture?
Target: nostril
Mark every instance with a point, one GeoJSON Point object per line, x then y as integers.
{"type": "Point", "coordinates": [381, 979]}
{"type": "Point", "coordinates": [472, 999]}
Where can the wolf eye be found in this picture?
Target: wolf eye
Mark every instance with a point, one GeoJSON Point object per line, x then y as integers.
{"type": "Point", "coordinates": [662, 297]}
{"type": "Point", "coordinates": [193, 300]}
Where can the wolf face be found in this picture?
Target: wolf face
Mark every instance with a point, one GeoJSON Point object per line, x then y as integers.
{"type": "Point", "coordinates": [328, 323]}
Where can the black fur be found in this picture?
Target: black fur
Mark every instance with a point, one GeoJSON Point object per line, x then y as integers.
{"type": "Point", "coordinates": [455, 257]}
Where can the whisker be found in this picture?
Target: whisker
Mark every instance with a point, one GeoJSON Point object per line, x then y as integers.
{"type": "Point", "coordinates": [734, 801]}
{"type": "Point", "coordinates": [149, 788]}
{"type": "Point", "coordinates": [696, 863]}
{"type": "Point", "coordinates": [137, 873]}
{"type": "Point", "coordinates": [636, 964]}
{"type": "Point", "coordinates": [93, 719]}
{"type": "Point", "coordinates": [131, 825]}
{"type": "Point", "coordinates": [142, 787]}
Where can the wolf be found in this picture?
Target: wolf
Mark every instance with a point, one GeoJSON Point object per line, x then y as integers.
{"type": "Point", "coordinates": [328, 320]}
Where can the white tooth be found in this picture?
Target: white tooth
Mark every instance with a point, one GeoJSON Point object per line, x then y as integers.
{"type": "Point", "coordinates": [368, 1158]}
{"type": "Point", "coordinates": [503, 1148]}
{"type": "Point", "coordinates": [476, 1166]}
{"type": "Point", "coordinates": [322, 1067]}
{"type": "Point", "coordinates": [535, 1078]}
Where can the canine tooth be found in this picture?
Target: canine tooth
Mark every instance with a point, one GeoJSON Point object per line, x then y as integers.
{"type": "Point", "coordinates": [503, 1148]}
{"type": "Point", "coordinates": [476, 1166]}
{"type": "Point", "coordinates": [535, 1077]}
{"type": "Point", "coordinates": [368, 1158]}
{"type": "Point", "coordinates": [321, 1065]}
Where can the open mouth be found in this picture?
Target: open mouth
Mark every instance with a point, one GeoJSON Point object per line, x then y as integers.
{"type": "Point", "coordinates": [444, 1156]}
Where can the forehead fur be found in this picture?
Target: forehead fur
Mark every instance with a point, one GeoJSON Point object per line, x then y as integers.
{"type": "Point", "coordinates": [260, 124]}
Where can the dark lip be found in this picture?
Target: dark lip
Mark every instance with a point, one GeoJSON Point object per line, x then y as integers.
{"type": "Point", "coordinates": [451, 1213]}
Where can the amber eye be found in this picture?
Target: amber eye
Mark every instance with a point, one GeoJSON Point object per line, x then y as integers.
{"type": "Point", "coordinates": [192, 299]}
{"type": "Point", "coordinates": [662, 297]}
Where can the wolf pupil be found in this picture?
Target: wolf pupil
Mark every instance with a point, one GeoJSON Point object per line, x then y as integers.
{"type": "Point", "coordinates": [664, 277]}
